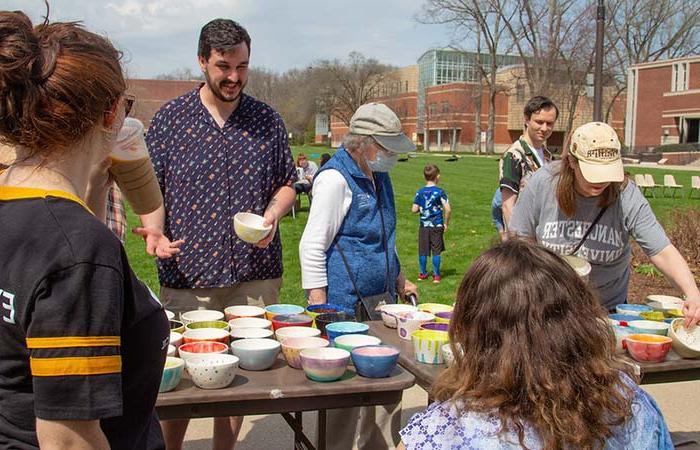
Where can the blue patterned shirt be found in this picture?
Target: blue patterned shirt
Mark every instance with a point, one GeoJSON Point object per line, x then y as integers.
{"type": "Point", "coordinates": [431, 201]}
{"type": "Point", "coordinates": [209, 173]}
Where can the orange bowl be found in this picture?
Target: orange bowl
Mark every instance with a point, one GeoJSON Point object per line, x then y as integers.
{"type": "Point", "coordinates": [647, 347]}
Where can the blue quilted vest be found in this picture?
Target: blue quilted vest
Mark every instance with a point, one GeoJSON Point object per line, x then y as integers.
{"type": "Point", "coordinates": [360, 237]}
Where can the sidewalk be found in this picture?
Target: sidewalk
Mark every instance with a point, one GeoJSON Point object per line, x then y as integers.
{"type": "Point", "coordinates": [678, 401]}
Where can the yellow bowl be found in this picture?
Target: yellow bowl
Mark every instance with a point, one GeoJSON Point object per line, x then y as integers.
{"type": "Point", "coordinates": [434, 307]}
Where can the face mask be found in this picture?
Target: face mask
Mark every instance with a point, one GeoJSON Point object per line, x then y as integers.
{"type": "Point", "coordinates": [383, 162]}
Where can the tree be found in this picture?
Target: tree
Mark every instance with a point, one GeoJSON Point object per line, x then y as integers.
{"type": "Point", "coordinates": [182, 73]}
{"type": "Point", "coordinates": [345, 86]}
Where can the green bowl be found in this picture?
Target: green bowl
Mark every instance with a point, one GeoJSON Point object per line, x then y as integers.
{"type": "Point", "coordinates": [657, 316]}
{"type": "Point", "coordinates": [208, 324]}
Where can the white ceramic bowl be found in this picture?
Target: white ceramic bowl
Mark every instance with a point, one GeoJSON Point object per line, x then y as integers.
{"type": "Point", "coordinates": [447, 354]}
{"type": "Point", "coordinates": [172, 350]}
{"type": "Point", "coordinates": [389, 312]}
{"type": "Point", "coordinates": [250, 322]}
{"type": "Point", "coordinates": [206, 334]}
{"type": "Point", "coordinates": [664, 302]}
{"type": "Point", "coordinates": [256, 354]}
{"type": "Point", "coordinates": [685, 343]}
{"type": "Point", "coordinates": [169, 314]}
{"type": "Point", "coordinates": [251, 333]}
{"type": "Point", "coordinates": [409, 322]}
{"type": "Point", "coordinates": [351, 341]}
{"type": "Point", "coordinates": [237, 311]}
{"type": "Point", "coordinates": [197, 349]}
{"type": "Point", "coordinates": [201, 315]}
{"type": "Point", "coordinates": [288, 332]}
{"type": "Point", "coordinates": [213, 372]}
{"type": "Point", "coordinates": [175, 338]}
{"type": "Point", "coordinates": [249, 227]}
{"type": "Point", "coordinates": [648, 327]}
{"type": "Point", "coordinates": [631, 309]}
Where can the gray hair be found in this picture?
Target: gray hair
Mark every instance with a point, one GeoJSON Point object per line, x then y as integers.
{"type": "Point", "coordinates": [353, 142]}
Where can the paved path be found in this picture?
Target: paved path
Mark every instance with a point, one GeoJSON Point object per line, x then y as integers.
{"type": "Point", "coordinates": [678, 401]}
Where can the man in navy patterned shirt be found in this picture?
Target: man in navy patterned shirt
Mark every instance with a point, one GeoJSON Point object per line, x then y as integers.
{"type": "Point", "coordinates": [216, 152]}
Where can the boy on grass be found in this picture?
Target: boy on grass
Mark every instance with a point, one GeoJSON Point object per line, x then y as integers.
{"type": "Point", "coordinates": [432, 204]}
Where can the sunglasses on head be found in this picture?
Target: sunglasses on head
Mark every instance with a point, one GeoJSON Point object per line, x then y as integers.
{"type": "Point", "coordinates": [128, 103]}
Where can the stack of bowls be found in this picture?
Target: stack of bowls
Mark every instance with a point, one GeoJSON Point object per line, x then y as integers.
{"type": "Point", "coordinates": [196, 349]}
{"type": "Point", "coordinates": [375, 361]}
{"type": "Point", "coordinates": [256, 354]}
{"type": "Point", "coordinates": [685, 343]}
{"type": "Point", "coordinates": [250, 227]}
{"type": "Point", "coordinates": [289, 332]}
{"type": "Point", "coordinates": [322, 320]}
{"type": "Point", "coordinates": [238, 311]}
{"type": "Point", "coordinates": [390, 312]}
{"type": "Point", "coordinates": [292, 347]}
{"type": "Point", "coordinates": [427, 346]}
{"type": "Point", "coordinates": [282, 308]}
{"type": "Point", "coordinates": [172, 373]}
{"type": "Point", "coordinates": [291, 320]}
{"type": "Point", "coordinates": [213, 372]}
{"type": "Point", "coordinates": [411, 321]}
{"type": "Point", "coordinates": [324, 364]}
{"type": "Point", "coordinates": [325, 308]}
{"type": "Point", "coordinates": [647, 347]}
{"type": "Point", "coordinates": [201, 315]}
{"type": "Point", "coordinates": [335, 329]}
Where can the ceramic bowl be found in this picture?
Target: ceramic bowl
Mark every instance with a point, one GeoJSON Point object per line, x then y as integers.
{"type": "Point", "coordinates": [175, 338]}
{"type": "Point", "coordinates": [411, 321]}
{"type": "Point", "coordinates": [663, 303]}
{"type": "Point", "coordinates": [652, 315]}
{"type": "Point", "coordinates": [447, 354]}
{"type": "Point", "coordinates": [291, 320]}
{"type": "Point", "coordinates": [169, 314]}
{"type": "Point", "coordinates": [375, 361]}
{"type": "Point", "coordinates": [201, 315]}
{"type": "Point", "coordinates": [620, 334]}
{"type": "Point", "coordinates": [324, 319]}
{"type": "Point", "coordinates": [172, 350]}
{"type": "Point", "coordinates": [249, 322]}
{"type": "Point", "coordinates": [292, 347]}
{"type": "Point", "coordinates": [282, 308]}
{"type": "Point", "coordinates": [427, 345]}
{"type": "Point", "coordinates": [350, 341]}
{"type": "Point", "coordinates": [648, 327]}
{"type": "Point", "coordinates": [177, 326]}
{"type": "Point", "coordinates": [289, 332]}
{"type": "Point", "coordinates": [220, 324]}
{"type": "Point", "coordinates": [435, 326]}
{"type": "Point", "coordinates": [196, 349]}
{"type": "Point", "coordinates": [674, 313]}
{"type": "Point", "coordinates": [443, 316]}
{"type": "Point", "coordinates": [213, 372]}
{"type": "Point", "coordinates": [206, 335]}
{"type": "Point", "coordinates": [251, 333]}
{"type": "Point", "coordinates": [580, 265]}
{"type": "Point", "coordinates": [237, 311]}
{"type": "Point", "coordinates": [325, 308]}
{"type": "Point", "coordinates": [647, 347]}
{"type": "Point", "coordinates": [324, 364]}
{"type": "Point", "coordinates": [172, 374]}
{"type": "Point", "coordinates": [256, 354]}
{"type": "Point", "coordinates": [249, 227]}
{"type": "Point", "coordinates": [434, 307]}
{"type": "Point", "coordinates": [631, 309]}
{"type": "Point", "coordinates": [335, 329]}
{"type": "Point", "coordinates": [685, 343]}
{"type": "Point", "coordinates": [389, 312]}
{"type": "Point", "coordinates": [623, 319]}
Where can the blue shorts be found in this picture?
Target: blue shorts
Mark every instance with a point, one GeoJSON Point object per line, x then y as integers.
{"type": "Point", "coordinates": [497, 211]}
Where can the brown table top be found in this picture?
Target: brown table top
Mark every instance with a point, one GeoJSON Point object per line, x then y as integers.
{"type": "Point", "coordinates": [673, 369]}
{"type": "Point", "coordinates": [281, 389]}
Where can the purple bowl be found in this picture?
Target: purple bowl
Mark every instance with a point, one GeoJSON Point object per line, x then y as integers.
{"type": "Point", "coordinates": [435, 326]}
{"type": "Point", "coordinates": [443, 316]}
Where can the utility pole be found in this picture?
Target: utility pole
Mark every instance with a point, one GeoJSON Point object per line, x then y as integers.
{"type": "Point", "coordinates": [598, 82]}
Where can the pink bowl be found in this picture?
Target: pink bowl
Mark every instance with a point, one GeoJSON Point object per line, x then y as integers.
{"type": "Point", "coordinates": [647, 347]}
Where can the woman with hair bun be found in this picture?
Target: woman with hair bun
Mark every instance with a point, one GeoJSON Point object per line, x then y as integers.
{"type": "Point", "coordinates": [83, 340]}
{"type": "Point", "coordinates": [534, 366]}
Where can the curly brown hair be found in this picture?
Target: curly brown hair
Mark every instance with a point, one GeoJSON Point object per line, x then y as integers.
{"type": "Point", "coordinates": [537, 350]}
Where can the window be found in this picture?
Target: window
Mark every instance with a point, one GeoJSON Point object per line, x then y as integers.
{"type": "Point", "coordinates": [520, 92]}
{"type": "Point", "coordinates": [445, 107]}
{"type": "Point", "coordinates": [679, 77]}
{"type": "Point", "coordinates": [432, 108]}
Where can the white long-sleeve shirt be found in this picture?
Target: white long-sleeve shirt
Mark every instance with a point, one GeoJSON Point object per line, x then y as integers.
{"type": "Point", "coordinates": [331, 201]}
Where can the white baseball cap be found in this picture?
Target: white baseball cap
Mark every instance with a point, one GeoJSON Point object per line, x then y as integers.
{"type": "Point", "coordinates": [380, 122]}
{"type": "Point", "coordinates": [597, 148]}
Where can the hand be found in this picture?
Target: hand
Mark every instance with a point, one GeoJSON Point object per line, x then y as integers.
{"type": "Point", "coordinates": [691, 311]}
{"type": "Point", "coordinates": [270, 219]}
{"type": "Point", "coordinates": [157, 244]}
{"type": "Point", "coordinates": [317, 296]}
{"type": "Point", "coordinates": [409, 288]}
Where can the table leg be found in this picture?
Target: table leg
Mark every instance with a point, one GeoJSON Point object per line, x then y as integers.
{"type": "Point", "coordinates": [301, 442]}
{"type": "Point", "coordinates": [299, 431]}
{"type": "Point", "coordinates": [321, 430]}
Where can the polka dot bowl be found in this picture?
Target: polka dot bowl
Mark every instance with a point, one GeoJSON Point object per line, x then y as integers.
{"type": "Point", "coordinates": [213, 372]}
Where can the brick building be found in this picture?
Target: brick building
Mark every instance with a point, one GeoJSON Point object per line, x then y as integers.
{"type": "Point", "coordinates": [663, 102]}
{"type": "Point", "coordinates": [152, 94]}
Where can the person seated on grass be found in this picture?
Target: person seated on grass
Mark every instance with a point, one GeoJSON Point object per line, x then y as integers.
{"type": "Point", "coordinates": [533, 366]}
{"type": "Point", "coordinates": [434, 208]}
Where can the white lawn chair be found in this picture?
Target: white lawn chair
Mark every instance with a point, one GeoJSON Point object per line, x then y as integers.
{"type": "Point", "coordinates": [651, 183]}
{"type": "Point", "coordinates": [642, 184]}
{"type": "Point", "coordinates": [694, 185]}
{"type": "Point", "coordinates": [670, 183]}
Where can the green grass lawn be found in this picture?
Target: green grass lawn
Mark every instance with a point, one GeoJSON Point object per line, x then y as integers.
{"type": "Point", "coordinates": [469, 182]}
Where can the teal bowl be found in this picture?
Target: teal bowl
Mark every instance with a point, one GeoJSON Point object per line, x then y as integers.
{"type": "Point", "coordinates": [335, 329]}
{"type": "Point", "coordinates": [172, 374]}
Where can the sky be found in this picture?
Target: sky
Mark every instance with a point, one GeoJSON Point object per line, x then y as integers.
{"type": "Point", "coordinates": [160, 36]}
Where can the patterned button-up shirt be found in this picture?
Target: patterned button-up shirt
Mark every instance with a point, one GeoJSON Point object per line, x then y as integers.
{"type": "Point", "coordinates": [209, 173]}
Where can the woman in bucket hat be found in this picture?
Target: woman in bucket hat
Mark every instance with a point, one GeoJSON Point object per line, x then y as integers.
{"type": "Point", "coordinates": [585, 205]}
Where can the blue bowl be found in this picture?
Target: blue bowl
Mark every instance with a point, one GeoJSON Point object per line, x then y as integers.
{"type": "Point", "coordinates": [623, 319]}
{"type": "Point", "coordinates": [632, 309]}
{"type": "Point", "coordinates": [375, 361]}
{"type": "Point", "coordinates": [172, 373]}
{"type": "Point", "coordinates": [335, 329]}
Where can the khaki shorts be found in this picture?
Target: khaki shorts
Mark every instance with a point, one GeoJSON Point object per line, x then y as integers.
{"type": "Point", "coordinates": [259, 293]}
